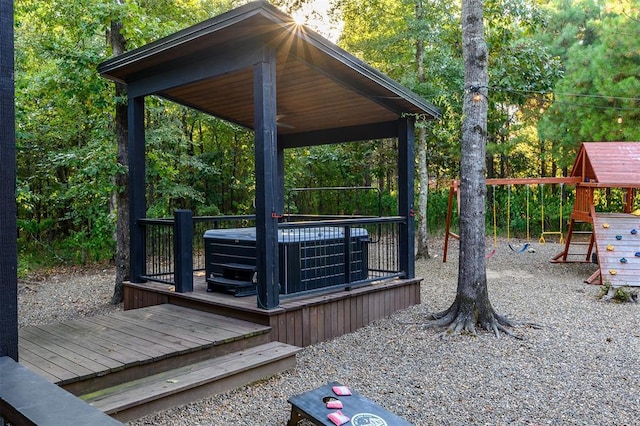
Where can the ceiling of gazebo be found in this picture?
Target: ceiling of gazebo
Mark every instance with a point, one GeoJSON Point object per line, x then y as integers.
{"type": "Point", "coordinates": [318, 85]}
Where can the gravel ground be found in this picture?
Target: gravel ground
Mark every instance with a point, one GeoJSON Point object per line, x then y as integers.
{"type": "Point", "coordinates": [64, 294]}
{"type": "Point", "coordinates": [580, 368]}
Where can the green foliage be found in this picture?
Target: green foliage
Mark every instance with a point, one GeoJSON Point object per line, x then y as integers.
{"type": "Point", "coordinates": [540, 59]}
{"type": "Point", "coordinates": [618, 294]}
{"type": "Point", "coordinates": [601, 48]}
{"type": "Point", "coordinates": [359, 179]}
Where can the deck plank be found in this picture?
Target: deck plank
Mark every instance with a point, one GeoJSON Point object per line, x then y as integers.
{"type": "Point", "coordinates": [213, 320]}
{"type": "Point", "coordinates": [94, 341]}
{"type": "Point", "coordinates": [158, 325]}
{"type": "Point", "coordinates": [42, 366]}
{"type": "Point", "coordinates": [82, 345]}
{"type": "Point", "coordinates": [70, 350]}
{"type": "Point", "coordinates": [210, 328]}
{"type": "Point", "coordinates": [148, 348]}
{"type": "Point", "coordinates": [166, 343]}
{"type": "Point", "coordinates": [57, 365]}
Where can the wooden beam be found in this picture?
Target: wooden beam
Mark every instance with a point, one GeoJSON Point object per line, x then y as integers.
{"type": "Point", "coordinates": [267, 208]}
{"type": "Point", "coordinates": [8, 230]}
{"type": "Point", "coordinates": [137, 187]}
{"type": "Point", "coordinates": [533, 181]}
{"type": "Point", "coordinates": [194, 68]}
{"type": "Point", "coordinates": [406, 177]}
{"type": "Point", "coordinates": [340, 135]}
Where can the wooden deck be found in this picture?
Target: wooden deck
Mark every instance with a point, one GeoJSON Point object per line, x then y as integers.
{"type": "Point", "coordinates": [300, 321]}
{"type": "Point", "coordinates": [132, 363]}
{"type": "Point", "coordinates": [612, 270]}
{"type": "Point", "coordinates": [76, 354]}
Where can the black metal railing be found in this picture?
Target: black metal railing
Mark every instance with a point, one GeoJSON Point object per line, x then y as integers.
{"type": "Point", "coordinates": [159, 246]}
{"type": "Point", "coordinates": [201, 224]}
{"type": "Point", "coordinates": [345, 252]}
{"type": "Point", "coordinates": [160, 242]}
{"type": "Point", "coordinates": [320, 252]}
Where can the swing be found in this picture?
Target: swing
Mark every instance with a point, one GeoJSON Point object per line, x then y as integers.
{"type": "Point", "coordinates": [521, 249]}
{"type": "Point", "coordinates": [495, 226]}
{"type": "Point", "coordinates": [526, 245]}
{"type": "Point", "coordinates": [543, 233]}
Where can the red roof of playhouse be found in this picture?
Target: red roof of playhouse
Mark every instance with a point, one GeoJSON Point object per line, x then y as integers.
{"type": "Point", "coordinates": [609, 164]}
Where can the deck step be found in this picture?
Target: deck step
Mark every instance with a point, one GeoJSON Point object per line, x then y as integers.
{"type": "Point", "coordinates": [239, 267]}
{"type": "Point", "coordinates": [238, 288]}
{"type": "Point", "coordinates": [182, 385]}
{"type": "Point", "coordinates": [93, 353]}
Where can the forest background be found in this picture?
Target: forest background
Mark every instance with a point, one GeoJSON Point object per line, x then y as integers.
{"type": "Point", "coordinates": [561, 72]}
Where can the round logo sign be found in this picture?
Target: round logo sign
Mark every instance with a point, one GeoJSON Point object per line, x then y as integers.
{"type": "Point", "coordinates": [367, 419]}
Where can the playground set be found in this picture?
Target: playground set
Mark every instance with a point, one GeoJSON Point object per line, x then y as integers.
{"type": "Point", "coordinates": [614, 238]}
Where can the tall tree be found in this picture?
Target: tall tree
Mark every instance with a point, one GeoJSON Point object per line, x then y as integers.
{"type": "Point", "coordinates": [471, 307]}
{"type": "Point", "coordinates": [422, 234]}
{"type": "Point", "coordinates": [118, 47]}
{"type": "Point", "coordinates": [597, 100]}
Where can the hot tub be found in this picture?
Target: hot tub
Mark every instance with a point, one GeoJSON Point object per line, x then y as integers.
{"type": "Point", "coordinates": [309, 258]}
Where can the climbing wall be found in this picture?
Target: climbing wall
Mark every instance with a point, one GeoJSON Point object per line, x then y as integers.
{"type": "Point", "coordinates": [617, 238]}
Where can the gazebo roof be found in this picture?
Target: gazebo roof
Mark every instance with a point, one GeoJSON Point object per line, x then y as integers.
{"type": "Point", "coordinates": [320, 87]}
{"type": "Point", "coordinates": [609, 164]}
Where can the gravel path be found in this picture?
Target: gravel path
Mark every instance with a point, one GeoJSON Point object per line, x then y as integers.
{"type": "Point", "coordinates": [581, 368]}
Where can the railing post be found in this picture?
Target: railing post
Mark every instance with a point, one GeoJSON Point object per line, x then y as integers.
{"type": "Point", "coordinates": [183, 250]}
{"type": "Point", "coordinates": [347, 255]}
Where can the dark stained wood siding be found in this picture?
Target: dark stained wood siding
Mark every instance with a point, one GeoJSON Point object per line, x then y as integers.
{"type": "Point", "coordinates": [301, 321]}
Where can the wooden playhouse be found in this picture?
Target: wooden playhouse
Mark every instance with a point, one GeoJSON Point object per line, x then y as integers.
{"type": "Point", "coordinates": [615, 237]}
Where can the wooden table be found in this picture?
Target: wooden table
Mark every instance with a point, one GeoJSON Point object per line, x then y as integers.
{"type": "Point", "coordinates": [362, 411]}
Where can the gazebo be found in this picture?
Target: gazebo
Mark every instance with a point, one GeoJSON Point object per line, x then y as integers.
{"type": "Point", "coordinates": [254, 66]}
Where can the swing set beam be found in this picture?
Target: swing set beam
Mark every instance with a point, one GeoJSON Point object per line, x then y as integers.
{"type": "Point", "coordinates": [454, 192]}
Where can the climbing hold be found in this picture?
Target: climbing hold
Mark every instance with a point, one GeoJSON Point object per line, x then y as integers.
{"type": "Point", "coordinates": [612, 271]}
{"type": "Point", "coordinates": [618, 237]}
{"type": "Point", "coordinates": [634, 232]}
{"type": "Point", "coordinates": [638, 254]}
{"type": "Point", "coordinates": [605, 225]}
{"type": "Point", "coordinates": [610, 248]}
{"type": "Point", "coordinates": [623, 260]}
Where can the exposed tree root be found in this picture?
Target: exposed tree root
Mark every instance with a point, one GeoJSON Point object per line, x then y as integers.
{"type": "Point", "coordinates": [458, 321]}
{"type": "Point", "coordinates": [618, 294]}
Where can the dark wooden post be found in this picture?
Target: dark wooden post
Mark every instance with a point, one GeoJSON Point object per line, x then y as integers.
{"type": "Point", "coordinates": [137, 187]}
{"type": "Point", "coordinates": [8, 230]}
{"type": "Point", "coordinates": [347, 255]}
{"type": "Point", "coordinates": [406, 173]}
{"type": "Point", "coordinates": [267, 208]}
{"type": "Point", "coordinates": [183, 250]}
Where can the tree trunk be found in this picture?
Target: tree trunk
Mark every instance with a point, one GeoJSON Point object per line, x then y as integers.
{"type": "Point", "coordinates": [423, 179]}
{"type": "Point", "coordinates": [472, 307]}
{"type": "Point", "coordinates": [117, 41]}
{"type": "Point", "coordinates": [421, 154]}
